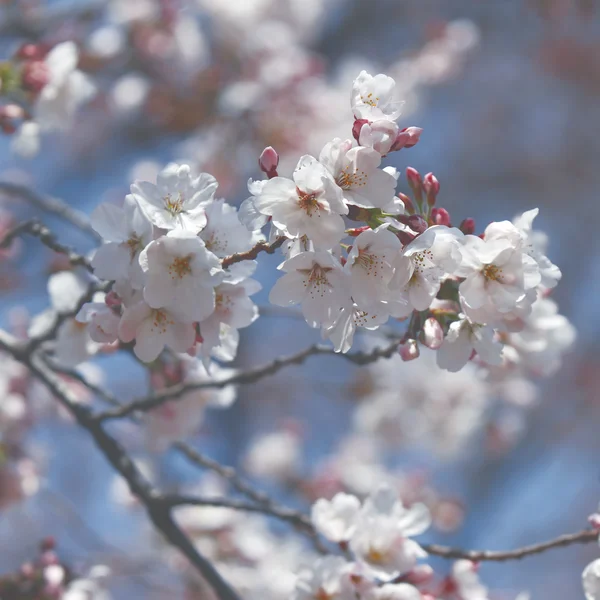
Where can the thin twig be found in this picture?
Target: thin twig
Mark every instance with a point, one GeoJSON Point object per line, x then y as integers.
{"type": "Point", "coordinates": [253, 252]}
{"type": "Point", "coordinates": [158, 510]}
{"type": "Point", "coordinates": [39, 230]}
{"type": "Point", "coordinates": [581, 537]}
{"type": "Point", "coordinates": [50, 204]}
{"type": "Point", "coordinates": [244, 377]}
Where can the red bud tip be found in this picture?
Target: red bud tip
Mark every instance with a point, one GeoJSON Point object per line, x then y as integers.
{"type": "Point", "coordinates": [468, 226]}
{"type": "Point", "coordinates": [417, 223]}
{"type": "Point", "coordinates": [357, 231]}
{"type": "Point", "coordinates": [35, 76]}
{"type": "Point", "coordinates": [356, 127]}
{"type": "Point", "coordinates": [409, 207]}
{"type": "Point", "coordinates": [409, 350]}
{"type": "Point", "coordinates": [406, 138]}
{"type": "Point", "coordinates": [432, 187]}
{"type": "Point", "coordinates": [47, 544]}
{"type": "Point", "coordinates": [440, 216]}
{"type": "Point", "coordinates": [268, 161]}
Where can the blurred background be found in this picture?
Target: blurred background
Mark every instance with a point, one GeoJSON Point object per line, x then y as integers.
{"type": "Point", "coordinates": [507, 94]}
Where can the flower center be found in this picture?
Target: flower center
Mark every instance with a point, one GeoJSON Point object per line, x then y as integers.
{"type": "Point", "coordinates": [308, 202]}
{"type": "Point", "coordinates": [371, 263]}
{"type": "Point", "coordinates": [376, 556]}
{"type": "Point", "coordinates": [160, 321]}
{"type": "Point", "coordinates": [347, 179]}
{"type": "Point", "coordinates": [492, 272]}
{"type": "Point", "coordinates": [316, 280]}
{"type": "Point", "coordinates": [370, 100]}
{"type": "Point", "coordinates": [180, 267]}
{"type": "Point", "coordinates": [134, 243]}
{"type": "Point", "coordinates": [173, 207]}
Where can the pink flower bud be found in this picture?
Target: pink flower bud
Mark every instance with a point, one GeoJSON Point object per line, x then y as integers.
{"type": "Point", "coordinates": [379, 135]}
{"type": "Point", "coordinates": [414, 178]}
{"type": "Point", "coordinates": [433, 334]}
{"type": "Point", "coordinates": [32, 52]}
{"type": "Point", "coordinates": [468, 226]}
{"type": "Point", "coordinates": [409, 350]}
{"type": "Point", "coordinates": [48, 543]}
{"type": "Point", "coordinates": [432, 187]}
{"type": "Point", "coordinates": [419, 575]}
{"type": "Point", "coordinates": [409, 207]}
{"type": "Point", "coordinates": [417, 223]}
{"type": "Point", "coordinates": [268, 161]}
{"type": "Point", "coordinates": [407, 138]}
{"type": "Point", "coordinates": [440, 216]}
{"type": "Point", "coordinates": [112, 299]}
{"type": "Point", "coordinates": [405, 237]}
{"type": "Point", "coordinates": [35, 76]}
{"type": "Point", "coordinates": [356, 127]}
{"type": "Point", "coordinates": [594, 520]}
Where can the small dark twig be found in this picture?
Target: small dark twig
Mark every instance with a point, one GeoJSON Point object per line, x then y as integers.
{"type": "Point", "coordinates": [253, 252]}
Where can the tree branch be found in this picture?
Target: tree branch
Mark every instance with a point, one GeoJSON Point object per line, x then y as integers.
{"type": "Point", "coordinates": [39, 230]}
{"type": "Point", "coordinates": [51, 205]}
{"type": "Point", "coordinates": [253, 252]}
{"type": "Point", "coordinates": [157, 508]}
{"type": "Point", "coordinates": [244, 377]}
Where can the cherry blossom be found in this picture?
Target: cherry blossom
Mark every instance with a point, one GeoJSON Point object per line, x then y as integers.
{"type": "Point", "coordinates": [356, 171]}
{"type": "Point", "coordinates": [591, 580]}
{"type": "Point", "coordinates": [311, 204]}
{"type": "Point", "coordinates": [181, 274]}
{"type": "Point", "coordinates": [153, 329]}
{"type": "Point", "coordinates": [336, 518]}
{"type": "Point", "coordinates": [372, 97]}
{"type": "Point", "coordinates": [315, 280]}
{"type": "Point", "coordinates": [324, 579]}
{"type": "Point", "coordinates": [178, 199]}
{"type": "Point", "coordinates": [465, 337]}
{"type": "Point", "coordinates": [126, 232]}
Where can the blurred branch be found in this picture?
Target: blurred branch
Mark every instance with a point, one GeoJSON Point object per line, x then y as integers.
{"type": "Point", "coordinates": [253, 252]}
{"type": "Point", "coordinates": [244, 377]}
{"type": "Point", "coordinates": [36, 229]}
{"type": "Point", "coordinates": [50, 204]}
{"type": "Point", "coordinates": [158, 510]}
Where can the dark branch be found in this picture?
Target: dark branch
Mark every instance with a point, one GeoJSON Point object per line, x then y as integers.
{"type": "Point", "coordinates": [253, 252]}
{"type": "Point", "coordinates": [39, 230]}
{"type": "Point", "coordinates": [51, 205]}
{"type": "Point", "coordinates": [244, 377]}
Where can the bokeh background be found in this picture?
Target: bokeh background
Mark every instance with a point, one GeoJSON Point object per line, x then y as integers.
{"type": "Point", "coordinates": [507, 93]}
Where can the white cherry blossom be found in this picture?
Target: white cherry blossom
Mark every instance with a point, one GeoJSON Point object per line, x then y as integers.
{"type": "Point", "coordinates": [315, 280]}
{"type": "Point", "coordinates": [462, 339]}
{"type": "Point", "coordinates": [356, 171]}
{"type": "Point", "coordinates": [309, 205]}
{"type": "Point", "coordinates": [394, 591]}
{"type": "Point", "coordinates": [422, 265]}
{"type": "Point", "coordinates": [103, 322]}
{"type": "Point", "coordinates": [372, 97]}
{"type": "Point", "coordinates": [591, 580]}
{"type": "Point", "coordinates": [466, 580]}
{"type": "Point", "coordinates": [336, 518]}
{"type": "Point", "coordinates": [369, 265]}
{"type": "Point", "coordinates": [379, 135]}
{"type": "Point", "coordinates": [178, 199]}
{"type": "Point", "coordinates": [126, 232]}
{"type": "Point", "coordinates": [153, 329]}
{"type": "Point", "coordinates": [181, 275]}
{"type": "Point", "coordinates": [325, 579]}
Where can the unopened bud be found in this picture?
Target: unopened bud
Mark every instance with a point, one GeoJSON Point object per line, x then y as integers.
{"type": "Point", "coordinates": [419, 575]}
{"type": "Point", "coordinates": [406, 138]}
{"type": "Point", "coordinates": [268, 161]}
{"type": "Point", "coordinates": [417, 223]}
{"type": "Point", "coordinates": [356, 127]}
{"type": "Point", "coordinates": [432, 187]}
{"type": "Point", "coordinates": [440, 216]}
{"type": "Point", "coordinates": [594, 520]}
{"type": "Point", "coordinates": [31, 52]}
{"type": "Point", "coordinates": [468, 226]}
{"type": "Point", "coordinates": [409, 207]}
{"type": "Point", "coordinates": [47, 544]}
{"type": "Point", "coordinates": [409, 350]}
{"type": "Point", "coordinates": [433, 334]}
{"type": "Point", "coordinates": [112, 299]}
{"type": "Point", "coordinates": [416, 184]}
{"type": "Point", "coordinates": [357, 231]}
{"type": "Point", "coordinates": [35, 76]}
{"type": "Point", "coordinates": [405, 237]}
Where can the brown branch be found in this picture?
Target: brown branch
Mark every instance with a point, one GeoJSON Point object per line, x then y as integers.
{"type": "Point", "coordinates": [245, 377]}
{"type": "Point", "coordinates": [253, 252]}
{"type": "Point", "coordinates": [49, 204]}
{"type": "Point", "coordinates": [581, 537]}
{"type": "Point", "coordinates": [39, 230]}
{"type": "Point", "coordinates": [157, 508]}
